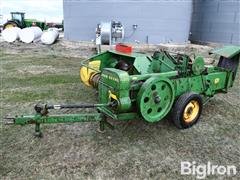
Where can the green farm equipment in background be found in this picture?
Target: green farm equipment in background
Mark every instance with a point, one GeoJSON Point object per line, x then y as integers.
{"type": "Point", "coordinates": [136, 85]}
{"type": "Point", "coordinates": [18, 20]}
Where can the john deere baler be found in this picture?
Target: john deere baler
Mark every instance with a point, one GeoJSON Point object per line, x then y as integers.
{"type": "Point", "coordinates": [135, 85]}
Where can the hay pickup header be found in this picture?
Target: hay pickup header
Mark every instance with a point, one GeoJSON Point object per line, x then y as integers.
{"type": "Point", "coordinates": [135, 85]}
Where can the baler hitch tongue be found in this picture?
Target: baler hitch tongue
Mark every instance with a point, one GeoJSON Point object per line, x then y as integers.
{"type": "Point", "coordinates": [43, 108]}
{"type": "Point", "coordinates": [9, 120]}
{"type": "Point", "coordinates": [42, 116]}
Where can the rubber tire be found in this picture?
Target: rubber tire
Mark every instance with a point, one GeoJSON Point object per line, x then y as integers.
{"type": "Point", "coordinates": [178, 110]}
{"type": "Point", "coordinates": [10, 22]}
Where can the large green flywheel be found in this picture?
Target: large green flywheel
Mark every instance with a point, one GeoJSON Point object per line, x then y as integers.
{"type": "Point", "coordinates": [155, 98]}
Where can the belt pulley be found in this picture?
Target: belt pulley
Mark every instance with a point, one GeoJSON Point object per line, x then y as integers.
{"type": "Point", "coordinates": [155, 98]}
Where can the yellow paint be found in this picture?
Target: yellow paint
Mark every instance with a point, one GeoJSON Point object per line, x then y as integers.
{"type": "Point", "coordinates": [9, 26]}
{"type": "Point", "coordinates": [216, 81]}
{"type": "Point", "coordinates": [86, 73]}
{"type": "Point", "coordinates": [111, 95]}
{"type": "Point", "coordinates": [191, 111]}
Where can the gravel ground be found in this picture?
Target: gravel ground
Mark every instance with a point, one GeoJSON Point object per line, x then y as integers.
{"type": "Point", "coordinates": [134, 150]}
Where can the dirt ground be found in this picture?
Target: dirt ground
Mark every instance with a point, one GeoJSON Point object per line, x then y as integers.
{"type": "Point", "coordinates": [135, 150]}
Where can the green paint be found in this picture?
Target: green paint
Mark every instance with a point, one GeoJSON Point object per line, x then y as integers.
{"type": "Point", "coordinates": [67, 118]}
{"type": "Point", "coordinates": [150, 86]}
{"type": "Point", "coordinates": [155, 98]}
{"type": "Point", "coordinates": [227, 51]}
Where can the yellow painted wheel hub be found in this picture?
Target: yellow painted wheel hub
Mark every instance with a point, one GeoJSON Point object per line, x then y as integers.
{"type": "Point", "coordinates": [9, 26]}
{"type": "Point", "coordinates": [86, 73]}
{"type": "Point", "coordinates": [191, 111]}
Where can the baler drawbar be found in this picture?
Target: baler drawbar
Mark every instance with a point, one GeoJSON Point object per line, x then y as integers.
{"type": "Point", "coordinates": [42, 116]}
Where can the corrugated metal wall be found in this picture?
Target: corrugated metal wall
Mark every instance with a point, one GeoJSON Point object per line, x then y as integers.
{"type": "Point", "coordinates": [161, 21]}
{"type": "Point", "coordinates": [216, 21]}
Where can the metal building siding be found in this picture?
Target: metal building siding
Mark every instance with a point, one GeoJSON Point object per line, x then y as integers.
{"type": "Point", "coordinates": [216, 21]}
{"type": "Point", "coordinates": [162, 21]}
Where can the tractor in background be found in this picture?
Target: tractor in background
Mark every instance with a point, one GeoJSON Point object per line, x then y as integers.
{"type": "Point", "coordinates": [18, 20]}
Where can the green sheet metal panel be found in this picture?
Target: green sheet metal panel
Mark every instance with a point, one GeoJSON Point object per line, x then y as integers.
{"type": "Point", "coordinates": [227, 51]}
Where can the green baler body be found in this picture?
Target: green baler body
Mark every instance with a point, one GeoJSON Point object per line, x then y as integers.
{"type": "Point", "coordinates": [121, 84]}
{"type": "Point", "coordinates": [126, 85]}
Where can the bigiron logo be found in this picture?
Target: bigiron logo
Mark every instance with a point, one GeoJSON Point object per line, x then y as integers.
{"type": "Point", "coordinates": [201, 171]}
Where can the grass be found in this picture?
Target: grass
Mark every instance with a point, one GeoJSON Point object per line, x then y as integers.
{"type": "Point", "coordinates": [134, 150]}
{"type": "Point", "coordinates": [29, 78]}
{"type": "Point", "coordinates": [37, 81]}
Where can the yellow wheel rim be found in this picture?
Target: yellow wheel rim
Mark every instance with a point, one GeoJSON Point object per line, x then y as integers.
{"type": "Point", "coordinates": [86, 73]}
{"type": "Point", "coordinates": [9, 26]}
{"type": "Point", "coordinates": [191, 111]}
